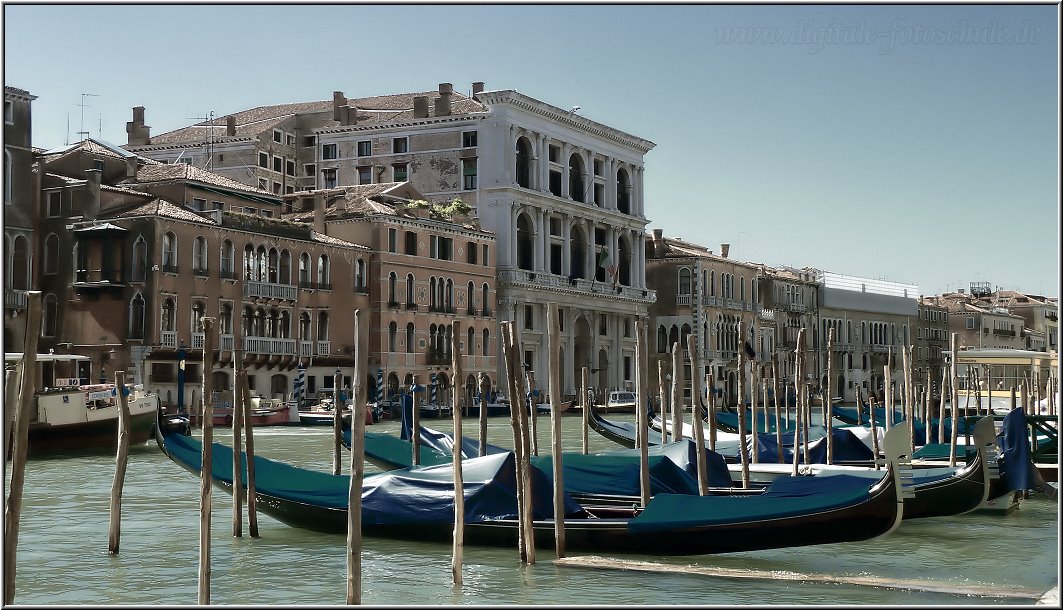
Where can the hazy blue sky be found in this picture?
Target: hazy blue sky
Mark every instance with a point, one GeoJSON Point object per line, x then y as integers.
{"type": "Point", "coordinates": [917, 144]}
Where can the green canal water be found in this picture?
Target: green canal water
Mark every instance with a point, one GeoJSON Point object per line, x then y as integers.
{"type": "Point", "coordinates": [62, 551]}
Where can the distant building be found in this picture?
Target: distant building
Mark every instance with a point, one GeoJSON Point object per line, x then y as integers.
{"type": "Point", "coordinates": [20, 218]}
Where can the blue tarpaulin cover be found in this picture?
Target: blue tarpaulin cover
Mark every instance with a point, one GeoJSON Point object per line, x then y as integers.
{"type": "Point", "coordinates": [1016, 467]}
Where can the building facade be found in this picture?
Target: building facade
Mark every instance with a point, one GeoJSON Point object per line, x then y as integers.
{"type": "Point", "coordinates": [20, 205]}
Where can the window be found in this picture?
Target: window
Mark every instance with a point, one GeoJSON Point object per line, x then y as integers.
{"type": "Point", "coordinates": [199, 256]}
{"type": "Point", "coordinates": [98, 164]}
{"type": "Point", "coordinates": [359, 275]}
{"type": "Point", "coordinates": [276, 188]}
{"type": "Point", "coordinates": [140, 259]}
{"type": "Point", "coordinates": [7, 172]}
{"type": "Point", "coordinates": [393, 239]}
{"type": "Point", "coordinates": [487, 337]}
{"type": "Point", "coordinates": [136, 317]}
{"type": "Point", "coordinates": [262, 183]}
{"type": "Point", "coordinates": [251, 211]}
{"type": "Point", "coordinates": [55, 204]}
{"type": "Point", "coordinates": [398, 172]}
{"type": "Point", "coordinates": [441, 248]}
{"type": "Point", "coordinates": [409, 337]}
{"type": "Point", "coordinates": [529, 317]}
{"type": "Point", "coordinates": [324, 272]}
{"type": "Point", "coordinates": [970, 323]}
{"type": "Point", "coordinates": [278, 136]}
{"type": "Point", "coordinates": [393, 329]}
{"type": "Point", "coordinates": [263, 160]}
{"type": "Point", "coordinates": [278, 164]}
{"type": "Point", "coordinates": [411, 284]}
{"type": "Point", "coordinates": [484, 258]}
{"type": "Point", "coordinates": [268, 213]}
{"type": "Point", "coordinates": [392, 281]}
{"type": "Point", "coordinates": [468, 139]}
{"type": "Point", "coordinates": [328, 177]}
{"type": "Point", "coordinates": [9, 112]}
{"type": "Point", "coordinates": [365, 174]}
{"type": "Point", "coordinates": [468, 174]}
{"type": "Point", "coordinates": [289, 139]}
{"type": "Point", "coordinates": [328, 151]}
{"type": "Point", "coordinates": [400, 145]}
{"type": "Point", "coordinates": [51, 255]}
{"type": "Point", "coordinates": [470, 250]}
{"type": "Point", "coordinates": [555, 153]}
{"type": "Point", "coordinates": [602, 324]}
{"type": "Point", "coordinates": [50, 307]}
{"type": "Point", "coordinates": [199, 204]}
{"type": "Point", "coordinates": [309, 169]}
{"type": "Point", "coordinates": [684, 281]}
{"type": "Point", "coordinates": [365, 148]}
{"type": "Point", "coordinates": [228, 255]}
{"type": "Point", "coordinates": [289, 168]}
{"type": "Point", "coordinates": [411, 243]}
{"type": "Point", "coordinates": [169, 252]}
{"type": "Point", "coordinates": [309, 140]}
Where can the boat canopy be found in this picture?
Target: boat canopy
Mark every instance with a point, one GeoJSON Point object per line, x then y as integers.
{"type": "Point", "coordinates": [16, 357]}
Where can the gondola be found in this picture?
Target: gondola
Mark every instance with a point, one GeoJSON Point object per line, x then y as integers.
{"type": "Point", "coordinates": [417, 503]}
{"type": "Point", "coordinates": [934, 492]}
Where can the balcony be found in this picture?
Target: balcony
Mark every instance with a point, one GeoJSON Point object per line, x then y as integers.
{"type": "Point", "coordinates": [167, 268]}
{"type": "Point", "coordinates": [324, 285]}
{"type": "Point", "coordinates": [766, 314]}
{"type": "Point", "coordinates": [842, 347]}
{"type": "Point", "coordinates": [198, 340]}
{"type": "Point", "coordinates": [682, 299]}
{"type": "Point", "coordinates": [15, 299]}
{"type": "Point", "coordinates": [795, 307]}
{"type": "Point", "coordinates": [306, 284]}
{"type": "Point", "coordinates": [411, 306]}
{"type": "Point", "coordinates": [227, 274]}
{"type": "Point", "coordinates": [200, 272]}
{"type": "Point", "coordinates": [168, 338]}
{"type": "Point", "coordinates": [226, 343]}
{"type": "Point", "coordinates": [732, 304]}
{"type": "Point", "coordinates": [269, 345]}
{"type": "Point", "coordinates": [709, 300]}
{"type": "Point", "coordinates": [880, 349]}
{"type": "Point", "coordinates": [393, 304]}
{"type": "Point", "coordinates": [265, 290]}
{"type": "Point", "coordinates": [1003, 333]}
{"type": "Point", "coordinates": [306, 348]}
{"type": "Point", "coordinates": [576, 285]}
{"type": "Point", "coordinates": [324, 348]}
{"type": "Point", "coordinates": [749, 307]}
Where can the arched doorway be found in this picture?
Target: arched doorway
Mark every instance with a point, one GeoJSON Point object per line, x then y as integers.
{"type": "Point", "coordinates": [603, 369]}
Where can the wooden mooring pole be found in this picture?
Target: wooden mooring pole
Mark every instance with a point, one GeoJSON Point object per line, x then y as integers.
{"type": "Point", "coordinates": [354, 492]}
{"type": "Point", "coordinates": [207, 460]}
{"type": "Point", "coordinates": [337, 422]}
{"type": "Point", "coordinates": [482, 384]}
{"type": "Point", "coordinates": [238, 466]}
{"type": "Point", "coordinates": [743, 451]}
{"type": "Point", "coordinates": [641, 391]}
{"type": "Point", "coordinates": [662, 398]}
{"type": "Point", "coordinates": [19, 446]}
{"type": "Point", "coordinates": [955, 399]}
{"type": "Point", "coordinates": [695, 419]}
{"type": "Point", "coordinates": [828, 415]}
{"type": "Point", "coordinates": [459, 481]}
{"type": "Point", "coordinates": [249, 449]}
{"type": "Point", "coordinates": [556, 448]}
{"type": "Point", "coordinates": [799, 386]}
{"type": "Point", "coordinates": [514, 373]}
{"type": "Point", "coordinates": [585, 376]}
{"type": "Point", "coordinates": [121, 460]}
{"type": "Point", "coordinates": [677, 393]}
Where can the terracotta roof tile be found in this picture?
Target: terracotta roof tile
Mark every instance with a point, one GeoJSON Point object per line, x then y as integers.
{"type": "Point", "coordinates": [352, 200]}
{"type": "Point", "coordinates": [164, 209]}
{"type": "Point", "coordinates": [183, 171]}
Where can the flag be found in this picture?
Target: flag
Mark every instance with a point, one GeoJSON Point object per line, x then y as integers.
{"type": "Point", "coordinates": [603, 258]}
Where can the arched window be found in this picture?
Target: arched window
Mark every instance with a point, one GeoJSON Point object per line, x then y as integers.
{"type": "Point", "coordinates": [51, 254]}
{"type": "Point", "coordinates": [168, 322]}
{"type": "Point", "coordinates": [136, 317]}
{"type": "Point", "coordinates": [623, 196]}
{"type": "Point", "coordinates": [432, 305]}
{"type": "Point", "coordinates": [7, 172]}
{"type": "Point", "coordinates": [284, 325]}
{"type": "Point", "coordinates": [139, 261]}
{"type": "Point", "coordinates": [712, 283]}
{"type": "Point", "coordinates": [393, 331]}
{"type": "Point", "coordinates": [470, 298]}
{"type": "Point", "coordinates": [20, 272]}
{"type": "Point", "coordinates": [410, 329]}
{"type": "Point", "coordinates": [742, 288]}
{"type": "Point", "coordinates": [359, 275]}
{"type": "Point", "coordinates": [450, 295]}
{"type": "Point", "coordinates": [576, 184]}
{"type": "Point", "coordinates": [273, 270]}
{"type": "Point", "coordinates": [322, 326]}
{"type": "Point", "coordinates": [624, 264]}
{"type": "Point", "coordinates": [392, 281]}
{"type": "Point", "coordinates": [485, 304]}
{"type": "Point", "coordinates": [198, 311]}
{"type": "Point", "coordinates": [525, 243]}
{"type": "Point", "coordinates": [169, 252]}
{"type": "Point", "coordinates": [225, 319]}
{"type": "Point", "coordinates": [249, 263]}
{"type": "Point", "coordinates": [323, 272]}
{"type": "Point", "coordinates": [410, 289]}
{"type": "Point", "coordinates": [662, 340]}
{"type": "Point", "coordinates": [199, 255]}
{"type": "Point", "coordinates": [683, 335]}
{"type": "Point", "coordinates": [673, 336]}
{"type": "Point", "coordinates": [304, 270]}
{"type": "Point", "coordinates": [304, 326]}
{"type": "Point", "coordinates": [524, 162]}
{"type": "Point", "coordinates": [487, 342]}
{"type": "Point", "coordinates": [433, 342]}
{"type": "Point", "coordinates": [261, 264]}
{"type": "Point", "coordinates": [285, 276]}
{"type": "Point", "coordinates": [51, 305]}
{"type": "Point", "coordinates": [684, 280]}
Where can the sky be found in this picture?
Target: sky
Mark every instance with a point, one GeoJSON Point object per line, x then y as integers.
{"type": "Point", "coordinates": [911, 143]}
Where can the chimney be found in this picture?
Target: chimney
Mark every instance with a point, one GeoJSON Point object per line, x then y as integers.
{"type": "Point", "coordinates": [477, 88]}
{"type": "Point", "coordinates": [420, 107]}
{"type": "Point", "coordinates": [91, 205]}
{"type": "Point", "coordinates": [139, 133]}
{"type": "Point", "coordinates": [319, 213]}
{"type": "Point", "coordinates": [338, 102]}
{"type": "Point", "coordinates": [443, 101]}
{"type": "Point", "coordinates": [230, 125]}
{"type": "Point", "coordinates": [724, 249]}
{"type": "Point", "coordinates": [657, 247]}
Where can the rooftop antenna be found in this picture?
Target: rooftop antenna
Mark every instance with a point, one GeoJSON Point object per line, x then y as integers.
{"type": "Point", "coordinates": [82, 104]}
{"type": "Point", "coordinates": [66, 140]}
{"type": "Point", "coordinates": [209, 165]}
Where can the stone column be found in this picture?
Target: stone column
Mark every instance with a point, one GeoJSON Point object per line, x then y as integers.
{"type": "Point", "coordinates": [544, 164]}
{"type": "Point", "coordinates": [610, 184]}
{"type": "Point", "coordinates": [566, 150]}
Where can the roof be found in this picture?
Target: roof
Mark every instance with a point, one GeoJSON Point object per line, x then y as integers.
{"type": "Point", "coordinates": [164, 209]}
{"type": "Point", "coordinates": [676, 247]}
{"type": "Point", "coordinates": [356, 200]}
{"type": "Point", "coordinates": [91, 146]}
{"type": "Point", "coordinates": [371, 110]}
{"type": "Point", "coordinates": [159, 172]}
{"type": "Point", "coordinates": [321, 238]}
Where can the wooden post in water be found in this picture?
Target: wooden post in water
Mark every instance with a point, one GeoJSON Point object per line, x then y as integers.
{"type": "Point", "coordinates": [415, 420]}
{"type": "Point", "coordinates": [977, 373]}
{"type": "Point", "coordinates": [695, 419]}
{"type": "Point", "coordinates": [481, 383]}
{"type": "Point", "coordinates": [775, 396]}
{"type": "Point", "coordinates": [955, 407]}
{"type": "Point", "coordinates": [585, 375]}
{"type": "Point", "coordinates": [207, 460]}
{"type": "Point", "coordinates": [115, 534]}
{"type": "Point", "coordinates": [888, 398]}
{"type": "Point", "coordinates": [238, 488]}
{"type": "Point", "coordinates": [754, 408]}
{"type": "Point", "coordinates": [556, 449]}
{"type": "Point", "coordinates": [926, 409]}
{"type": "Point", "coordinates": [249, 450]}
{"type": "Point", "coordinates": [20, 443]}
{"type": "Point", "coordinates": [663, 400]}
{"type": "Point", "coordinates": [512, 375]}
{"type": "Point", "coordinates": [337, 422]}
{"type": "Point", "coordinates": [642, 416]}
{"type": "Point", "coordinates": [941, 405]}
{"type": "Point", "coordinates": [743, 451]}
{"type": "Point", "coordinates": [799, 411]}
{"type": "Point", "coordinates": [459, 480]}
{"type": "Point", "coordinates": [526, 449]}
{"type": "Point", "coordinates": [677, 392]}
{"type": "Point", "coordinates": [11, 388]}
{"type": "Point", "coordinates": [874, 430]}
{"type": "Point", "coordinates": [908, 399]}
{"type": "Point", "coordinates": [354, 490]}
{"type": "Point", "coordinates": [828, 415]}
{"type": "Point", "coordinates": [710, 406]}
{"type": "Point", "coordinates": [533, 414]}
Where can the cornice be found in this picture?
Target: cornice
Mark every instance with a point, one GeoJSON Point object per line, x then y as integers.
{"type": "Point", "coordinates": [473, 116]}
{"type": "Point", "coordinates": [562, 117]}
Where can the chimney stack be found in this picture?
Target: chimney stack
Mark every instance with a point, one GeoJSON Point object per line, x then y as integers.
{"type": "Point", "coordinates": [443, 101]}
{"type": "Point", "coordinates": [477, 88]}
{"type": "Point", "coordinates": [319, 213]}
{"type": "Point", "coordinates": [338, 102]}
{"type": "Point", "coordinates": [724, 249]}
{"type": "Point", "coordinates": [91, 205]}
{"type": "Point", "coordinates": [139, 133]}
{"type": "Point", "coordinates": [420, 107]}
{"type": "Point", "coordinates": [230, 125]}
{"type": "Point", "coordinates": [657, 247]}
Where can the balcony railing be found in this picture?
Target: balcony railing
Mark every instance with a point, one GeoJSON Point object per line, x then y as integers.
{"type": "Point", "coordinates": [732, 304]}
{"type": "Point", "coordinates": [169, 338]}
{"type": "Point", "coordinates": [767, 314]}
{"type": "Point", "coordinates": [200, 271]}
{"type": "Point", "coordinates": [682, 299]}
{"type": "Point", "coordinates": [795, 307]}
{"type": "Point", "coordinates": [169, 268]}
{"type": "Point", "coordinates": [306, 348]}
{"type": "Point", "coordinates": [198, 340]}
{"type": "Point", "coordinates": [227, 274]}
{"type": "Point", "coordinates": [880, 349]}
{"type": "Point", "coordinates": [306, 284]}
{"type": "Point", "coordinates": [324, 348]}
{"type": "Point", "coordinates": [1003, 332]}
{"type": "Point", "coordinates": [15, 299]}
{"type": "Point", "coordinates": [270, 291]}
{"type": "Point", "coordinates": [709, 300]}
{"type": "Point", "coordinates": [269, 345]}
{"type": "Point", "coordinates": [535, 278]}
{"type": "Point", "coordinates": [226, 343]}
{"type": "Point", "coordinates": [324, 285]}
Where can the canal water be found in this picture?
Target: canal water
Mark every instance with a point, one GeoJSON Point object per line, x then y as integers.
{"type": "Point", "coordinates": [63, 559]}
